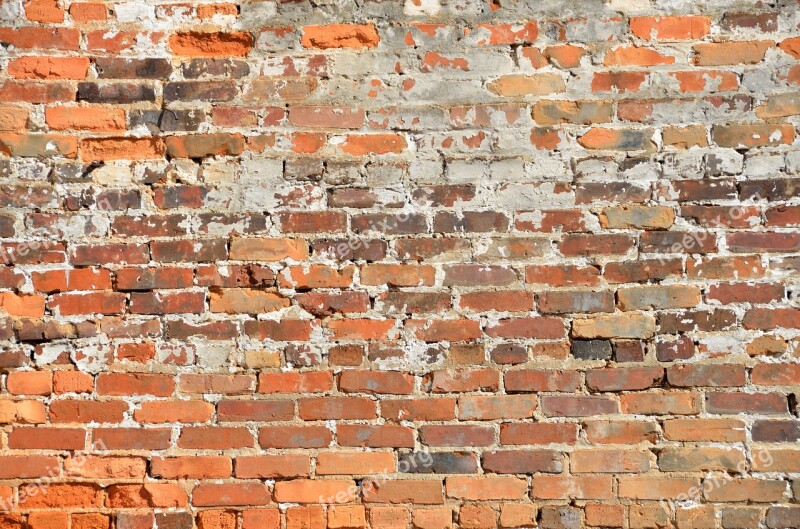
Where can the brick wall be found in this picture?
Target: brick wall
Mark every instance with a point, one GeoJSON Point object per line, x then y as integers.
{"type": "Point", "coordinates": [427, 264]}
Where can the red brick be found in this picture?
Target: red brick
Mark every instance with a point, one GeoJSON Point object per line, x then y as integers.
{"type": "Point", "coordinates": [496, 407]}
{"type": "Point", "coordinates": [215, 438]}
{"type": "Point", "coordinates": [655, 488]}
{"type": "Point", "coordinates": [621, 432]}
{"type": "Point", "coordinates": [44, 11]}
{"type": "Point", "coordinates": [41, 37]}
{"type": "Point", "coordinates": [133, 438]}
{"type": "Point", "coordinates": [262, 519]}
{"type": "Point", "coordinates": [195, 467]}
{"type": "Point", "coordinates": [67, 495]}
{"type": "Point", "coordinates": [72, 411]}
{"type": "Point", "coordinates": [230, 494]}
{"type": "Point", "coordinates": [776, 374]}
{"type": "Point", "coordinates": [711, 430]}
{"type": "Point", "coordinates": [573, 487]}
{"type": "Point", "coordinates": [223, 384]}
{"type": "Point", "coordinates": [439, 409]}
{"type": "Point", "coordinates": [107, 303]}
{"type": "Point", "coordinates": [539, 433]}
{"type": "Point", "coordinates": [135, 384]}
{"type": "Point", "coordinates": [105, 467]}
{"type": "Point", "coordinates": [486, 488]}
{"type": "Point", "coordinates": [463, 380]}
{"type": "Point", "coordinates": [441, 330]}
{"type": "Point", "coordinates": [420, 492]}
{"type": "Point", "coordinates": [633, 378]}
{"type": "Point", "coordinates": [158, 495]}
{"type": "Point", "coordinates": [380, 436]}
{"type": "Point", "coordinates": [274, 466]}
{"type": "Point", "coordinates": [294, 437]}
{"type": "Point", "coordinates": [734, 403]}
{"type": "Point", "coordinates": [308, 382]}
{"type": "Point", "coordinates": [525, 380]}
{"type": "Point", "coordinates": [391, 382]}
{"type": "Point", "coordinates": [27, 467]}
{"type": "Point", "coordinates": [47, 438]}
{"type": "Point", "coordinates": [456, 435]}
{"type": "Point", "coordinates": [262, 411]}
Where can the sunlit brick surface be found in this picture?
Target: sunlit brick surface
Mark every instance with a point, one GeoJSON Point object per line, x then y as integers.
{"type": "Point", "coordinates": [433, 264]}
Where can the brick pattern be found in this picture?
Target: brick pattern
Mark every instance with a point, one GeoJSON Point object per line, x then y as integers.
{"type": "Point", "coordinates": [422, 264]}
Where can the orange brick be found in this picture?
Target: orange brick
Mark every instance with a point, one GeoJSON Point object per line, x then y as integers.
{"type": "Point", "coordinates": [355, 463]}
{"type": "Point", "coordinates": [197, 44]}
{"type": "Point", "coordinates": [13, 119]}
{"type": "Point", "coordinates": [671, 28]}
{"type": "Point", "coordinates": [438, 518]}
{"type": "Point", "coordinates": [363, 144]}
{"type": "Point", "coordinates": [389, 517]}
{"type": "Point", "coordinates": [48, 520]}
{"type": "Point", "coordinates": [85, 118]}
{"type": "Point", "coordinates": [105, 149]}
{"type": "Point", "coordinates": [635, 56]}
{"type": "Point", "coordinates": [791, 46]}
{"type": "Point", "coordinates": [728, 53]}
{"type": "Point", "coordinates": [30, 306]}
{"type": "Point", "coordinates": [404, 491]}
{"type": "Point", "coordinates": [49, 67]}
{"type": "Point", "coordinates": [262, 519]}
{"type": "Point", "coordinates": [88, 11]}
{"type": "Point", "coordinates": [216, 519]}
{"type": "Point", "coordinates": [47, 11]}
{"type": "Point", "coordinates": [29, 383]}
{"type": "Point", "coordinates": [347, 517]}
{"type": "Point", "coordinates": [340, 36]}
{"type": "Point", "coordinates": [311, 517]}
{"type": "Point", "coordinates": [91, 521]}
{"type": "Point", "coordinates": [195, 467]}
{"type": "Point", "coordinates": [316, 491]}
{"type": "Point", "coordinates": [72, 382]}
{"type": "Point", "coordinates": [486, 488]}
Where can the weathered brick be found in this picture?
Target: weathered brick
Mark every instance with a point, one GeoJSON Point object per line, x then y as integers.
{"type": "Point", "coordinates": [672, 28]}
{"type": "Point", "coordinates": [722, 53]}
{"type": "Point", "coordinates": [458, 242]}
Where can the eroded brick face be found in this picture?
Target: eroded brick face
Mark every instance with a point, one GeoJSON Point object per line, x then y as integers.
{"type": "Point", "coordinates": [399, 264]}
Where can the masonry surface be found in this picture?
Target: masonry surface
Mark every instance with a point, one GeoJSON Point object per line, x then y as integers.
{"type": "Point", "coordinates": [431, 264]}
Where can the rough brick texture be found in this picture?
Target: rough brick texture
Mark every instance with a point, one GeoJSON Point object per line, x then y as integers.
{"type": "Point", "coordinates": [421, 264]}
